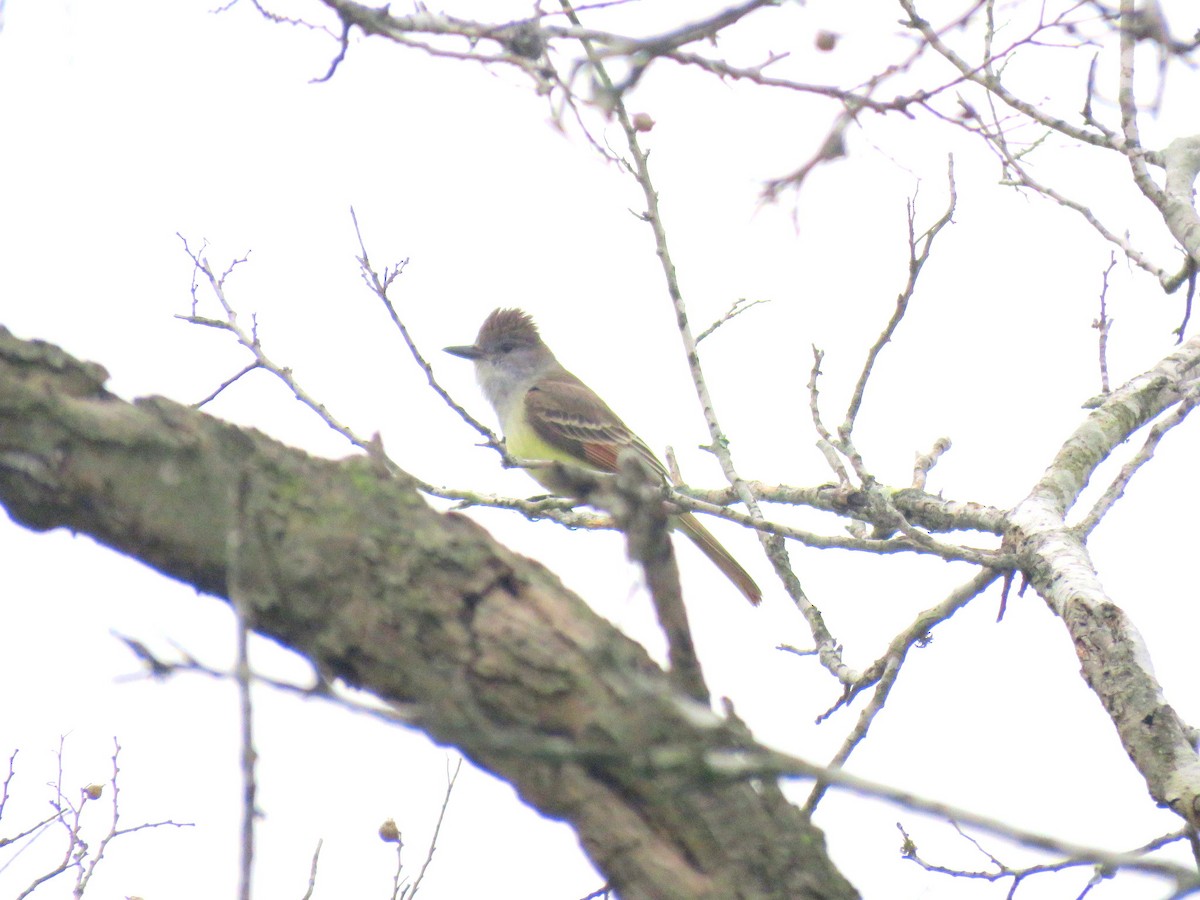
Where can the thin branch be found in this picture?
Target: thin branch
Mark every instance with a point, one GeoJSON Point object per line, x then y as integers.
{"type": "Point", "coordinates": [755, 74]}
{"type": "Point", "coordinates": [379, 285]}
{"type": "Point", "coordinates": [912, 541]}
{"type": "Point", "coordinates": [62, 807]}
{"type": "Point", "coordinates": [78, 854]}
{"type": "Point", "coordinates": [1018, 176]}
{"type": "Point", "coordinates": [1187, 301]}
{"type": "Point", "coordinates": [1132, 147]}
{"type": "Point", "coordinates": [239, 599]}
{"type": "Point", "coordinates": [814, 404]}
{"type": "Point", "coordinates": [1103, 324]}
{"type": "Point", "coordinates": [641, 173]}
{"type": "Point", "coordinates": [634, 496]}
{"type": "Point", "coordinates": [526, 41]}
{"type": "Point", "coordinates": [1182, 162]}
{"type": "Point", "coordinates": [12, 771]}
{"type": "Point", "coordinates": [392, 714]}
{"type": "Point", "coordinates": [993, 85]}
{"type": "Point", "coordinates": [37, 826]}
{"type": "Point", "coordinates": [1089, 94]}
{"type": "Point", "coordinates": [831, 148]}
{"type": "Point", "coordinates": [1018, 875]}
{"type": "Point", "coordinates": [437, 828]}
{"type": "Point", "coordinates": [775, 549]}
{"type": "Point", "coordinates": [712, 502]}
{"type": "Point", "coordinates": [739, 306]}
{"type": "Point", "coordinates": [910, 852]}
{"type": "Point", "coordinates": [249, 339]}
{"type": "Point", "coordinates": [1116, 489]}
{"type": "Point", "coordinates": [389, 833]}
{"type": "Point", "coordinates": [200, 404]}
{"type": "Point", "coordinates": [740, 764]}
{"type": "Point", "coordinates": [312, 871]}
{"type": "Point", "coordinates": [916, 262]}
{"type": "Point", "coordinates": [277, 18]}
{"type": "Point", "coordinates": [925, 462]}
{"type": "Point", "coordinates": [884, 671]}
{"type": "Point", "coordinates": [556, 510]}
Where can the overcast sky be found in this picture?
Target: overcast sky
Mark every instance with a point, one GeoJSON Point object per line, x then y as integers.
{"type": "Point", "coordinates": [128, 125]}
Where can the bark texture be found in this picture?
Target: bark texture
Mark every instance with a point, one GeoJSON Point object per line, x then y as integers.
{"type": "Point", "coordinates": [481, 648]}
{"type": "Point", "coordinates": [1113, 658]}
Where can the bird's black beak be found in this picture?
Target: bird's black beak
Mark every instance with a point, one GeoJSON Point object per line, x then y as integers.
{"type": "Point", "coordinates": [470, 351]}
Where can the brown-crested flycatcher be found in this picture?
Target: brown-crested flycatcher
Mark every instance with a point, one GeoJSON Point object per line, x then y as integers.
{"type": "Point", "coordinates": [546, 413]}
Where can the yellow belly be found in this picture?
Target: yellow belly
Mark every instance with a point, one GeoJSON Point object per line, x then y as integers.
{"type": "Point", "coordinates": [526, 444]}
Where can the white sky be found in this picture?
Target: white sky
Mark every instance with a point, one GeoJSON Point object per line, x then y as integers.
{"type": "Point", "coordinates": [124, 124]}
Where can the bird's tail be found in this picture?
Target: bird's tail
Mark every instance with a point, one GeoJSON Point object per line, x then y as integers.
{"type": "Point", "coordinates": [709, 546]}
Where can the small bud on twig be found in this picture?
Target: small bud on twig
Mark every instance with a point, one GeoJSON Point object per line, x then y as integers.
{"type": "Point", "coordinates": [389, 833]}
{"type": "Point", "coordinates": [642, 122]}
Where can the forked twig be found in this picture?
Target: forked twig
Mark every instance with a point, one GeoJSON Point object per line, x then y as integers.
{"type": "Point", "coordinates": [884, 671]}
{"type": "Point", "coordinates": [916, 262]}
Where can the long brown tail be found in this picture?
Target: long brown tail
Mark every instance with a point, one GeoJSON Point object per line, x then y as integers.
{"type": "Point", "coordinates": [708, 545]}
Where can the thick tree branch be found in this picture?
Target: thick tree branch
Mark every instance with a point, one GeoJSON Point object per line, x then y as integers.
{"type": "Point", "coordinates": [346, 564]}
{"type": "Point", "coordinates": [1114, 660]}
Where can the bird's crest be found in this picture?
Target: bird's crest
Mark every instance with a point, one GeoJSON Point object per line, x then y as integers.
{"type": "Point", "coordinates": [507, 325]}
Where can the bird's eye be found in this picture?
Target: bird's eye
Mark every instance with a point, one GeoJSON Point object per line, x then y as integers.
{"type": "Point", "coordinates": [507, 347]}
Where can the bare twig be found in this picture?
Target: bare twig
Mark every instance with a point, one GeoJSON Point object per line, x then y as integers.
{"type": "Point", "coordinates": [525, 42]}
{"type": "Point", "coordinates": [78, 854]}
{"type": "Point", "coordinates": [911, 541]}
{"type": "Point", "coordinates": [1132, 147]}
{"type": "Point", "coordinates": [992, 84]}
{"type": "Point", "coordinates": [1182, 162]}
{"type": "Point", "coordinates": [199, 404]}
{"type": "Point", "coordinates": [925, 462]}
{"type": "Point", "coordinates": [277, 18]}
{"type": "Point", "coordinates": [312, 872]}
{"type": "Point", "coordinates": [379, 285]}
{"type": "Point", "coordinates": [814, 404]}
{"type": "Point", "coordinates": [884, 671]}
{"type": "Point", "coordinates": [92, 792]}
{"type": "Point", "coordinates": [1090, 93]}
{"type": "Point", "coordinates": [394, 714]}
{"type": "Point", "coordinates": [775, 550]}
{"type": "Point", "coordinates": [741, 763]}
{"type": "Point", "coordinates": [1003, 871]}
{"type": "Point", "coordinates": [1116, 489]}
{"type": "Point", "coordinates": [249, 340]}
{"type": "Point", "coordinates": [1187, 301]}
{"type": "Point", "coordinates": [851, 98]}
{"type": "Point", "coordinates": [637, 506]}
{"type": "Point", "coordinates": [831, 148]}
{"type": "Point", "coordinates": [1103, 323]}
{"type": "Point", "coordinates": [739, 306]}
{"type": "Point", "coordinates": [916, 261]}
{"type": "Point", "coordinates": [556, 510]}
{"type": "Point", "coordinates": [242, 676]}
{"type": "Point", "coordinates": [451, 778]}
{"type": "Point", "coordinates": [37, 826]}
{"type": "Point", "coordinates": [12, 771]}
{"type": "Point", "coordinates": [392, 835]}
{"type": "Point", "coordinates": [1019, 177]}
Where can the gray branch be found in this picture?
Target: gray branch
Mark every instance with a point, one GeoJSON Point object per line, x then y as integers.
{"type": "Point", "coordinates": [347, 565]}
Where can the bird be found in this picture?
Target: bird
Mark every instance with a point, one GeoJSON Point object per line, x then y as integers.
{"type": "Point", "coordinates": [546, 413]}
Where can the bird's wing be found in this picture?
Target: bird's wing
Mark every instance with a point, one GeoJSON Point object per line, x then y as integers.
{"type": "Point", "coordinates": [567, 413]}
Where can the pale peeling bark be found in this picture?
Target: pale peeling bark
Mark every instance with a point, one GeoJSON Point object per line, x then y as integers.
{"type": "Point", "coordinates": [1113, 658]}
{"type": "Point", "coordinates": [481, 648]}
{"type": "Point", "coordinates": [1182, 162]}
